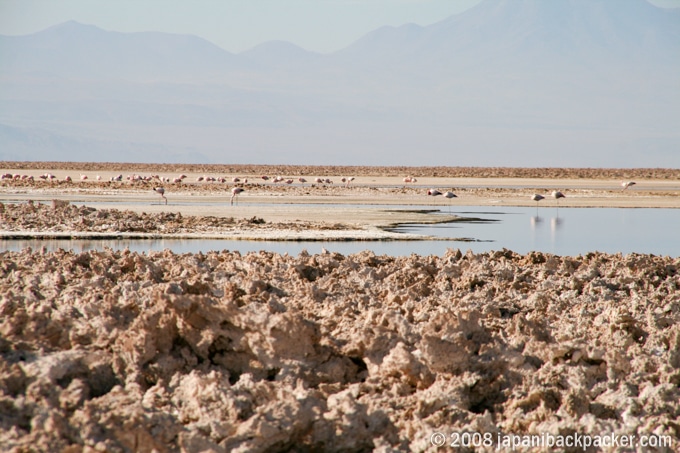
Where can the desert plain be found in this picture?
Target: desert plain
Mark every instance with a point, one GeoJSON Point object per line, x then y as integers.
{"type": "Point", "coordinates": [111, 350]}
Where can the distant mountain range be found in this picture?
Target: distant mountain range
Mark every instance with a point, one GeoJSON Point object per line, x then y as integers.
{"type": "Point", "coordinates": [508, 82]}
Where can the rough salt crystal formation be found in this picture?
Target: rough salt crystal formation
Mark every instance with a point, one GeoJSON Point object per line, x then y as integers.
{"type": "Point", "coordinates": [118, 351]}
{"type": "Point", "coordinates": [61, 216]}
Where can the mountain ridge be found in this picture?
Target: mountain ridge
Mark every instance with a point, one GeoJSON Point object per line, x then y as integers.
{"type": "Point", "coordinates": [584, 79]}
{"type": "Point", "coordinates": [73, 49]}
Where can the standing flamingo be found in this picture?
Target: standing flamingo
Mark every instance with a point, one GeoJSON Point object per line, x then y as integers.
{"type": "Point", "coordinates": [536, 197]}
{"type": "Point", "coordinates": [450, 195]}
{"type": "Point", "coordinates": [161, 191]}
{"type": "Point", "coordinates": [556, 194]}
{"type": "Point", "coordinates": [433, 193]}
{"type": "Point", "coordinates": [234, 193]}
{"type": "Point", "coordinates": [627, 184]}
{"type": "Point", "coordinates": [347, 181]}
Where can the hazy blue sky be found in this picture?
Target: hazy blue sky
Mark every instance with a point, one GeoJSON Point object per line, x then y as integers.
{"type": "Point", "coordinates": [237, 25]}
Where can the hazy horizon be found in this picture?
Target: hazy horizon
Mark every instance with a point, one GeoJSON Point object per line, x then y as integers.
{"type": "Point", "coordinates": [498, 83]}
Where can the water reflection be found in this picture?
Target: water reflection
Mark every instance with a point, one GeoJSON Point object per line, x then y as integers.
{"type": "Point", "coordinates": [535, 220]}
{"type": "Point", "coordinates": [556, 223]}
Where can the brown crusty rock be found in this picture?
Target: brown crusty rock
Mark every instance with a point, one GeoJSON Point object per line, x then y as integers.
{"type": "Point", "coordinates": [119, 351]}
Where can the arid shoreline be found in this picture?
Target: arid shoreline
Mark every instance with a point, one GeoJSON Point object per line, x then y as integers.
{"type": "Point", "coordinates": [111, 350]}
{"type": "Point", "coordinates": [310, 210]}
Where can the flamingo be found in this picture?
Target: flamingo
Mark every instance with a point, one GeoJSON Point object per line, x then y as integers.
{"type": "Point", "coordinates": [627, 184]}
{"type": "Point", "coordinates": [302, 180]}
{"type": "Point", "coordinates": [556, 194]}
{"type": "Point", "coordinates": [433, 192]}
{"type": "Point", "coordinates": [450, 195]}
{"type": "Point", "coordinates": [161, 191]}
{"type": "Point", "coordinates": [536, 197]}
{"type": "Point", "coordinates": [234, 192]}
{"type": "Point", "coordinates": [347, 181]}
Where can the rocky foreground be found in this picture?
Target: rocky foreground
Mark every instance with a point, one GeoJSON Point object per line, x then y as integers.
{"type": "Point", "coordinates": [118, 351]}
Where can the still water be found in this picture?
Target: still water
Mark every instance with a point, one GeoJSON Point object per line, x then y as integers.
{"type": "Point", "coordinates": [567, 231]}
{"type": "Point", "coordinates": [563, 231]}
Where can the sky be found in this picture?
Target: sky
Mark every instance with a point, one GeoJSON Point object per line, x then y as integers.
{"type": "Point", "coordinates": [237, 25]}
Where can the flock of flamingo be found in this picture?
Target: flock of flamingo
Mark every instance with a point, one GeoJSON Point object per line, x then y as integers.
{"type": "Point", "coordinates": [235, 191]}
{"type": "Point", "coordinates": [556, 194]}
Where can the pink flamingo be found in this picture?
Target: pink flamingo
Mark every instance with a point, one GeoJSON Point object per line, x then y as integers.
{"type": "Point", "coordinates": [161, 191]}
{"type": "Point", "coordinates": [234, 193]}
{"type": "Point", "coordinates": [450, 195]}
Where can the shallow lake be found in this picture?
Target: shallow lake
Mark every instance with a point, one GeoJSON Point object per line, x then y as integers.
{"type": "Point", "coordinates": [561, 231]}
